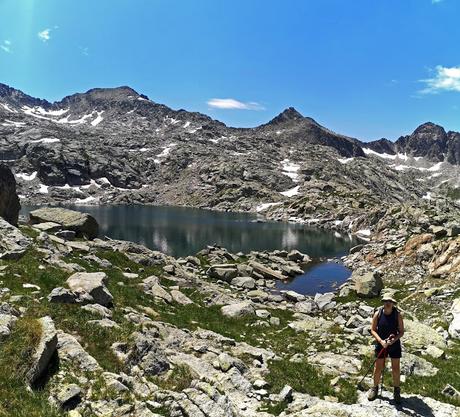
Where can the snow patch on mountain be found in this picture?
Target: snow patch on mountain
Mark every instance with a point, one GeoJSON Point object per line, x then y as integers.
{"type": "Point", "coordinates": [292, 192]}
{"type": "Point", "coordinates": [8, 108]}
{"type": "Point", "coordinates": [43, 189]}
{"type": "Point", "coordinates": [401, 156]}
{"type": "Point", "coordinates": [27, 177]}
{"type": "Point", "coordinates": [164, 153]}
{"type": "Point", "coordinates": [12, 123]}
{"type": "Point", "coordinates": [290, 169]}
{"type": "Point", "coordinates": [265, 206]}
{"type": "Point", "coordinates": [98, 119]}
{"type": "Point", "coordinates": [345, 160]}
{"type": "Point", "coordinates": [46, 140]}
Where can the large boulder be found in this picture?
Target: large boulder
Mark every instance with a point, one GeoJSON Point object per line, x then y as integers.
{"type": "Point", "coordinates": [9, 201]}
{"type": "Point", "coordinates": [13, 244]}
{"type": "Point", "coordinates": [368, 284]}
{"type": "Point", "coordinates": [44, 351]}
{"type": "Point", "coordinates": [224, 272]}
{"type": "Point", "coordinates": [82, 224]}
{"type": "Point", "coordinates": [454, 327]}
{"type": "Point", "coordinates": [419, 336]}
{"type": "Point", "coordinates": [238, 309]}
{"type": "Point", "coordinates": [93, 284]}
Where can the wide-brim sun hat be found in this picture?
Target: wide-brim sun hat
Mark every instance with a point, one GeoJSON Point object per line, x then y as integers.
{"type": "Point", "coordinates": [388, 297]}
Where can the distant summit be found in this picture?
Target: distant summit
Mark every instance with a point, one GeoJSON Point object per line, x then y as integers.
{"type": "Point", "coordinates": [288, 115]}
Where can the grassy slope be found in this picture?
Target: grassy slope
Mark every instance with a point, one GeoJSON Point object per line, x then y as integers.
{"type": "Point", "coordinates": [97, 341]}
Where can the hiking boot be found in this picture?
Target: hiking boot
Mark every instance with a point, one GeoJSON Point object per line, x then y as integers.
{"type": "Point", "coordinates": [373, 392]}
{"type": "Point", "coordinates": [397, 395]}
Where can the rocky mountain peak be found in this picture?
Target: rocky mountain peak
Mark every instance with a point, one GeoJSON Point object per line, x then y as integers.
{"type": "Point", "coordinates": [288, 115]}
{"type": "Point", "coordinates": [107, 95]}
{"type": "Point", "coordinates": [428, 140]}
{"type": "Point", "coordinates": [16, 98]}
{"type": "Point", "coordinates": [383, 146]}
{"type": "Point", "coordinates": [430, 131]}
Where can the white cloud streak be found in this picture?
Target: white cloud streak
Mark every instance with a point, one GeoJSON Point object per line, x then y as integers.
{"type": "Point", "coordinates": [44, 35]}
{"type": "Point", "coordinates": [445, 79]}
{"type": "Point", "coordinates": [6, 46]}
{"type": "Point", "coordinates": [232, 104]}
{"type": "Point", "coordinates": [436, 1]}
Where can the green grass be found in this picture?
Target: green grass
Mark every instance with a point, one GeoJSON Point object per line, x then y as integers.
{"type": "Point", "coordinates": [353, 298]}
{"type": "Point", "coordinates": [453, 193]}
{"type": "Point", "coordinates": [431, 386]}
{"type": "Point", "coordinates": [284, 341]}
{"type": "Point", "coordinates": [178, 379]}
{"type": "Point", "coordinates": [304, 377]}
{"type": "Point", "coordinates": [15, 360]}
{"type": "Point", "coordinates": [449, 373]}
{"type": "Point", "coordinates": [275, 409]}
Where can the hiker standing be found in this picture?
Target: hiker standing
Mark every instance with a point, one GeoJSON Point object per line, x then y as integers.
{"type": "Point", "coordinates": [387, 328]}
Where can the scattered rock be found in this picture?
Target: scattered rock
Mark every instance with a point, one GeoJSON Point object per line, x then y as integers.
{"type": "Point", "coordinates": [62, 295]}
{"type": "Point", "coordinates": [265, 271]}
{"type": "Point", "coordinates": [238, 310]}
{"type": "Point", "coordinates": [324, 301]}
{"type": "Point", "coordinates": [180, 297]}
{"type": "Point", "coordinates": [44, 351]}
{"type": "Point", "coordinates": [92, 283]}
{"type": "Point", "coordinates": [147, 355]}
{"type": "Point", "coordinates": [68, 396]}
{"type": "Point", "coordinates": [244, 282]}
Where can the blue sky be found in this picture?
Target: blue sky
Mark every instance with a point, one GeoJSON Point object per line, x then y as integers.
{"type": "Point", "coordinates": [368, 69]}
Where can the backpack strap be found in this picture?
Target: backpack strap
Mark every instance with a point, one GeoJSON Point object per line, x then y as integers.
{"type": "Point", "coordinates": [397, 319]}
{"type": "Point", "coordinates": [380, 311]}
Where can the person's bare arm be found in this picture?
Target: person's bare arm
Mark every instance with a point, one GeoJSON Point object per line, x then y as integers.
{"type": "Point", "coordinates": [374, 330]}
{"type": "Point", "coordinates": [400, 328]}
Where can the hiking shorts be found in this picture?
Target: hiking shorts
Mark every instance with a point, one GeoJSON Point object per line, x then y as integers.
{"type": "Point", "coordinates": [394, 351]}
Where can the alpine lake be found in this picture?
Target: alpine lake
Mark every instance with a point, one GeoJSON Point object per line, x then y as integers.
{"type": "Point", "coordinates": [183, 231]}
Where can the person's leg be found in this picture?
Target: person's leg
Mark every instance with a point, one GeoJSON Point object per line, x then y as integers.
{"type": "Point", "coordinates": [378, 367]}
{"type": "Point", "coordinates": [378, 371]}
{"type": "Point", "coordinates": [396, 371]}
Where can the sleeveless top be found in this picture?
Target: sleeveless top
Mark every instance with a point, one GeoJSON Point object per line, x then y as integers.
{"type": "Point", "coordinates": [387, 324]}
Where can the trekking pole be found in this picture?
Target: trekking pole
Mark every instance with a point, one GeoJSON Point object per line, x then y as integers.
{"type": "Point", "coordinates": [383, 373]}
{"type": "Point", "coordinates": [360, 386]}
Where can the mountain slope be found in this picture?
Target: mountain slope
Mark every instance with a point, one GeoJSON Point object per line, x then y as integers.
{"type": "Point", "coordinates": [114, 145]}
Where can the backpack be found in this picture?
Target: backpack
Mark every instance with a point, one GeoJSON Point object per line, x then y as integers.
{"type": "Point", "coordinates": [380, 312]}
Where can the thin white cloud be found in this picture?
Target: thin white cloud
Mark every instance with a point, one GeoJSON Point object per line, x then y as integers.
{"type": "Point", "coordinates": [445, 79]}
{"type": "Point", "coordinates": [231, 103]}
{"type": "Point", "coordinates": [6, 46]}
{"type": "Point", "coordinates": [44, 35]}
{"type": "Point", "coordinates": [436, 1]}
{"type": "Point", "coordinates": [84, 50]}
